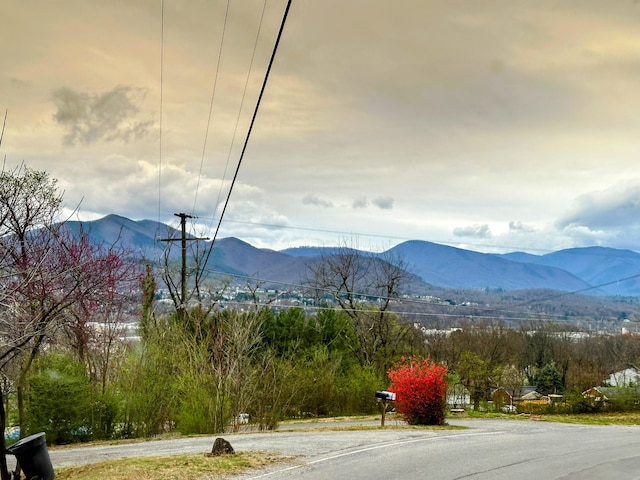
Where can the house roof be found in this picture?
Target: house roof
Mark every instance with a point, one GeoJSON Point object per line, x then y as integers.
{"type": "Point", "coordinates": [614, 393]}
{"type": "Point", "coordinates": [624, 378]}
{"type": "Point", "coordinates": [532, 396]}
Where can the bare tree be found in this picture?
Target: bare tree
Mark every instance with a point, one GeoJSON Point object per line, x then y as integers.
{"type": "Point", "coordinates": [236, 369]}
{"type": "Point", "coordinates": [364, 286]}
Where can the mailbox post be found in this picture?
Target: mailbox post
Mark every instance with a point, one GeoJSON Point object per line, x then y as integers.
{"type": "Point", "coordinates": [383, 397]}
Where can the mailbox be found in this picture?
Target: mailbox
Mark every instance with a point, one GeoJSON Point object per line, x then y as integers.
{"type": "Point", "coordinates": [384, 395]}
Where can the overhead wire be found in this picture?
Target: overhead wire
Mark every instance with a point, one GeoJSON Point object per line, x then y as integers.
{"type": "Point", "coordinates": [350, 234]}
{"type": "Point", "coordinates": [581, 290]}
{"type": "Point", "coordinates": [160, 153]}
{"type": "Point", "coordinates": [161, 114]}
{"type": "Point", "coordinates": [213, 94]}
{"type": "Point", "coordinates": [240, 108]}
{"type": "Point", "coordinates": [253, 119]}
{"type": "Point", "coordinates": [250, 129]}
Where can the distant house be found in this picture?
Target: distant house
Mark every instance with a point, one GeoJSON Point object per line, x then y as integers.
{"type": "Point", "coordinates": [532, 396]}
{"type": "Point", "coordinates": [624, 378]}
{"type": "Point", "coordinates": [596, 394]}
{"type": "Point", "coordinates": [458, 396]}
{"type": "Point", "coordinates": [503, 396]}
{"type": "Point", "coordinates": [606, 395]}
{"type": "Point", "coordinates": [555, 398]}
{"type": "Point", "coordinates": [524, 391]}
{"type": "Point", "coordinates": [500, 396]}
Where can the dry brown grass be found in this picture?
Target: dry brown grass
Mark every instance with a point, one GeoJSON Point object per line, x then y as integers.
{"type": "Point", "coordinates": [184, 467]}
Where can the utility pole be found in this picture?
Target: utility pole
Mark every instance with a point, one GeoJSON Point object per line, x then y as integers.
{"type": "Point", "coordinates": [182, 307]}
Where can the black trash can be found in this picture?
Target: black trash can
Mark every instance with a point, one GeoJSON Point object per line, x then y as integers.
{"type": "Point", "coordinates": [32, 455]}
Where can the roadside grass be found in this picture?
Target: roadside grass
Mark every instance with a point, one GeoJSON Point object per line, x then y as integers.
{"type": "Point", "coordinates": [184, 467]}
{"type": "Point", "coordinates": [392, 421]}
{"type": "Point", "coordinates": [603, 418]}
{"type": "Point", "coordinates": [387, 426]}
{"type": "Point", "coordinates": [293, 421]}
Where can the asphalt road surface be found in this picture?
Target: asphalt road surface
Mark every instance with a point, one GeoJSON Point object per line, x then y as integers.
{"type": "Point", "coordinates": [487, 449]}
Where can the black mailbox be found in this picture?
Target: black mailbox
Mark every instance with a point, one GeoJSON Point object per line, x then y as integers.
{"type": "Point", "coordinates": [384, 395]}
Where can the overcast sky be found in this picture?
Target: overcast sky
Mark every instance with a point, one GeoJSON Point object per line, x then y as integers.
{"type": "Point", "coordinates": [495, 125]}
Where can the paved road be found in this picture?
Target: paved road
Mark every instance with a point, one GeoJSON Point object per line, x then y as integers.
{"type": "Point", "coordinates": [488, 449]}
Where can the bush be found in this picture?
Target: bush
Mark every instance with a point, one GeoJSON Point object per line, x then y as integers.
{"type": "Point", "coordinates": [420, 389]}
{"type": "Point", "coordinates": [198, 407]}
{"type": "Point", "coordinates": [59, 400]}
{"type": "Point", "coordinates": [355, 391]}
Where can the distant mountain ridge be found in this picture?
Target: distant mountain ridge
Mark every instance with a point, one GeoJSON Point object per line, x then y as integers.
{"type": "Point", "coordinates": [141, 236]}
{"type": "Point", "coordinates": [591, 270]}
{"type": "Point", "coordinates": [613, 271]}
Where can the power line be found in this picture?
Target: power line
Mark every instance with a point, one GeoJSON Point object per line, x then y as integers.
{"type": "Point", "coordinates": [241, 107]}
{"type": "Point", "coordinates": [575, 292]}
{"type": "Point", "coordinates": [213, 93]}
{"type": "Point", "coordinates": [161, 104]}
{"type": "Point", "coordinates": [253, 119]}
{"type": "Point", "coordinates": [367, 235]}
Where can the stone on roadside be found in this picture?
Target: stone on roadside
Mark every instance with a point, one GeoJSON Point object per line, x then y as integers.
{"type": "Point", "coordinates": [221, 447]}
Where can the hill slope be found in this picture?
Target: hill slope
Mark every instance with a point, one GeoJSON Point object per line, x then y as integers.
{"type": "Point", "coordinates": [452, 267]}
{"type": "Point", "coordinates": [614, 271]}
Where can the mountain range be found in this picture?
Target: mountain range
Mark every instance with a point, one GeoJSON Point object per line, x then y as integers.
{"type": "Point", "coordinates": [588, 270]}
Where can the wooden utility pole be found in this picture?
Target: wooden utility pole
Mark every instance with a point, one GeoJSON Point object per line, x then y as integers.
{"type": "Point", "coordinates": [182, 307]}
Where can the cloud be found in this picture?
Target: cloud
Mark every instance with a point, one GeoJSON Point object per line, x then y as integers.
{"type": "Point", "coordinates": [360, 202]}
{"type": "Point", "coordinates": [383, 203]}
{"type": "Point", "coordinates": [617, 207]}
{"type": "Point", "coordinates": [316, 201]}
{"type": "Point", "coordinates": [108, 116]}
{"type": "Point", "coordinates": [519, 227]}
{"type": "Point", "coordinates": [474, 231]}
{"type": "Point", "coordinates": [18, 82]}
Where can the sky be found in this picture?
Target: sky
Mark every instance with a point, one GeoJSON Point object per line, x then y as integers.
{"type": "Point", "coordinates": [490, 125]}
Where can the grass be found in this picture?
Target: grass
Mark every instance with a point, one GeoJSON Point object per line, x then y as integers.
{"type": "Point", "coordinates": [630, 418]}
{"type": "Point", "coordinates": [604, 418]}
{"type": "Point", "coordinates": [329, 419]}
{"type": "Point", "coordinates": [184, 467]}
{"type": "Point", "coordinates": [387, 426]}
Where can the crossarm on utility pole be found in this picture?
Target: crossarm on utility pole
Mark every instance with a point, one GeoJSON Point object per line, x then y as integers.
{"type": "Point", "coordinates": [183, 275]}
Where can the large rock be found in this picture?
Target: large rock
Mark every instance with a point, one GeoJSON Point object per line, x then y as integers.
{"type": "Point", "coordinates": [221, 447]}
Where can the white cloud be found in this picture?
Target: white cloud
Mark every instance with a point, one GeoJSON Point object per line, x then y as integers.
{"type": "Point", "coordinates": [383, 203]}
{"type": "Point", "coordinates": [617, 207]}
{"type": "Point", "coordinates": [517, 226]}
{"type": "Point", "coordinates": [474, 231]}
{"type": "Point", "coordinates": [360, 203]}
{"type": "Point", "coordinates": [316, 201]}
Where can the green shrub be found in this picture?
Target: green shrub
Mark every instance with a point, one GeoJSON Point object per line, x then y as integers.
{"type": "Point", "coordinates": [58, 402]}
{"type": "Point", "coordinates": [355, 391]}
{"type": "Point", "coordinates": [198, 407]}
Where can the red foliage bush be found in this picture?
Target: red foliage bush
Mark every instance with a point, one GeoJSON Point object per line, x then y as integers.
{"type": "Point", "coordinates": [420, 389]}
